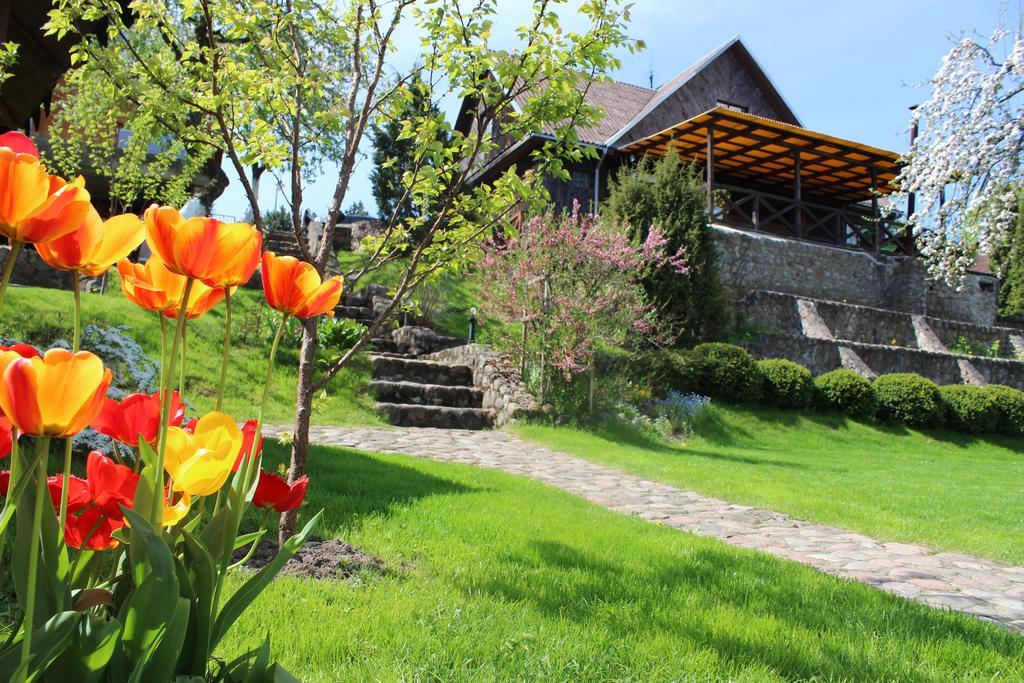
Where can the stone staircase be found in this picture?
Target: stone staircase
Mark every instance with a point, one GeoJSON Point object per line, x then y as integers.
{"type": "Point", "coordinates": [427, 393]}
{"type": "Point", "coordinates": [823, 335]}
{"type": "Point", "coordinates": [412, 391]}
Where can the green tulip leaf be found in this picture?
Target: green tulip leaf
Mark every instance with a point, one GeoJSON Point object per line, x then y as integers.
{"type": "Point", "coordinates": [48, 642]}
{"type": "Point", "coordinates": [147, 551]}
{"type": "Point", "coordinates": [249, 591]}
{"type": "Point", "coordinates": [87, 655]}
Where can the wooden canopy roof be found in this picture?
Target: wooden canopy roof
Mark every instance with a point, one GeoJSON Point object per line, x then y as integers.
{"type": "Point", "coordinates": [750, 147]}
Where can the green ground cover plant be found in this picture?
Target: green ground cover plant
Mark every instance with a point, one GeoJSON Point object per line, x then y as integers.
{"type": "Point", "coordinates": [948, 490]}
{"type": "Point", "coordinates": [475, 589]}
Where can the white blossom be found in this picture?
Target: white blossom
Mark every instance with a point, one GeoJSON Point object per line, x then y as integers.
{"type": "Point", "coordinates": [965, 165]}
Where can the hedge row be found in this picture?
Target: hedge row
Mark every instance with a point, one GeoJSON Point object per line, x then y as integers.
{"type": "Point", "coordinates": [728, 373]}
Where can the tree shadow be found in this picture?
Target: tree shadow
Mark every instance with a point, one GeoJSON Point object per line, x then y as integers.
{"type": "Point", "coordinates": [349, 485]}
{"type": "Point", "coordinates": [564, 582]}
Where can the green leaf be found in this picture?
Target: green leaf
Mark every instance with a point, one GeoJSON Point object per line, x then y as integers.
{"type": "Point", "coordinates": [145, 616]}
{"type": "Point", "coordinates": [86, 657]}
{"type": "Point", "coordinates": [251, 589]}
{"type": "Point", "coordinates": [203, 573]}
{"type": "Point", "coordinates": [215, 535]}
{"type": "Point", "coordinates": [162, 661]}
{"type": "Point", "coordinates": [48, 641]}
{"type": "Point", "coordinates": [147, 551]}
{"type": "Point", "coordinates": [52, 592]}
{"type": "Point", "coordinates": [246, 539]}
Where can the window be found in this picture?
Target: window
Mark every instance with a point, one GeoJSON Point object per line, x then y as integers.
{"type": "Point", "coordinates": [732, 106]}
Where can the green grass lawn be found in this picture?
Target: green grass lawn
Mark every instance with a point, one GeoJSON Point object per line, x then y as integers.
{"type": "Point", "coordinates": [949, 491]}
{"type": "Point", "coordinates": [495, 577]}
{"type": "Point", "coordinates": [40, 316]}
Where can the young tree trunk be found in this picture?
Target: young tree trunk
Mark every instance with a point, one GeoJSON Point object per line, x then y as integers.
{"type": "Point", "coordinates": [303, 408]}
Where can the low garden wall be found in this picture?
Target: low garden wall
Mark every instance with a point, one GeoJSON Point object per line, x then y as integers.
{"type": "Point", "coordinates": [504, 391]}
{"type": "Point", "coordinates": [822, 355]}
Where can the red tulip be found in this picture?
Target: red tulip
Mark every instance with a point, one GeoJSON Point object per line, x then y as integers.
{"type": "Point", "coordinates": [6, 437]}
{"type": "Point", "coordinates": [78, 492]}
{"type": "Point", "coordinates": [5, 482]}
{"type": "Point", "coordinates": [248, 436]}
{"type": "Point", "coordinates": [110, 485]}
{"type": "Point", "coordinates": [274, 492]}
{"type": "Point", "coordinates": [92, 530]}
{"type": "Point", "coordinates": [23, 350]}
{"type": "Point", "coordinates": [19, 143]}
{"type": "Point", "coordinates": [136, 415]}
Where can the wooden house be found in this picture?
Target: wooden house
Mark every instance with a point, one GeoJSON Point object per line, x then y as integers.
{"type": "Point", "coordinates": [765, 171]}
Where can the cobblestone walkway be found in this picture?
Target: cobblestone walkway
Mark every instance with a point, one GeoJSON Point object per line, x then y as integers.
{"type": "Point", "coordinates": [976, 586]}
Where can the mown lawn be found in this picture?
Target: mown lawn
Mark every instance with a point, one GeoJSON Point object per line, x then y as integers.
{"type": "Point", "coordinates": [495, 577]}
{"type": "Point", "coordinates": [949, 491]}
{"type": "Point", "coordinates": [40, 316]}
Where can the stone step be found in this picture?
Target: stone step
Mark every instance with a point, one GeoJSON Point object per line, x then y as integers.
{"type": "Point", "coordinates": [354, 312]}
{"type": "Point", "coordinates": [444, 417]}
{"type": "Point", "coordinates": [423, 371]}
{"type": "Point", "coordinates": [383, 346]}
{"type": "Point", "coordinates": [427, 394]}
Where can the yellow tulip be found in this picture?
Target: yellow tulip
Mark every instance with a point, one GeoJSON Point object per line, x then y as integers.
{"type": "Point", "coordinates": [175, 512]}
{"type": "Point", "coordinates": [199, 463]}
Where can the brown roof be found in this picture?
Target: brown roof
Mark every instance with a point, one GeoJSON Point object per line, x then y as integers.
{"type": "Point", "coordinates": [620, 103]}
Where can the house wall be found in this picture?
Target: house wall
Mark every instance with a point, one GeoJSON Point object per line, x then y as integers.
{"type": "Point", "coordinates": [729, 78]}
{"type": "Point", "coordinates": [752, 261]}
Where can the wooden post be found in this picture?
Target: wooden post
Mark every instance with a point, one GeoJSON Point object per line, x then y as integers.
{"type": "Point", "coordinates": [874, 211]}
{"type": "Point", "coordinates": [908, 234]}
{"type": "Point", "coordinates": [798, 200]}
{"type": "Point", "coordinates": [710, 173]}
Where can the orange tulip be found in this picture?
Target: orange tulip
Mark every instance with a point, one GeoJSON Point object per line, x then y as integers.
{"type": "Point", "coordinates": [203, 248]}
{"type": "Point", "coordinates": [153, 287]}
{"type": "Point", "coordinates": [96, 245]}
{"type": "Point", "coordinates": [243, 265]}
{"type": "Point", "coordinates": [294, 287]}
{"type": "Point", "coordinates": [34, 205]}
{"type": "Point", "coordinates": [56, 395]}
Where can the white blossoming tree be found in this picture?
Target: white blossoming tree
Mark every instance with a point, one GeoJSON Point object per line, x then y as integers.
{"type": "Point", "coordinates": [965, 168]}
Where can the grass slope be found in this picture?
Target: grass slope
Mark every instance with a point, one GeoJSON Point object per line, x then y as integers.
{"type": "Point", "coordinates": [495, 577]}
{"type": "Point", "coordinates": [949, 491]}
{"type": "Point", "coordinates": [41, 316]}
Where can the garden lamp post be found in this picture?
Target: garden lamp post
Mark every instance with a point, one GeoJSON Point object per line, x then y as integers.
{"type": "Point", "coordinates": [472, 324]}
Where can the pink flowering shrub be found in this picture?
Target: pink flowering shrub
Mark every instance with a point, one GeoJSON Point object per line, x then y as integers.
{"type": "Point", "coordinates": [574, 283]}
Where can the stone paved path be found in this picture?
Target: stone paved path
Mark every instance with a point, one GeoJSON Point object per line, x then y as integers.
{"type": "Point", "coordinates": [983, 588]}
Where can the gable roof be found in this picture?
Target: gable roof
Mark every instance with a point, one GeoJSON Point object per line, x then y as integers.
{"type": "Point", "coordinates": [734, 46]}
{"type": "Point", "coordinates": [619, 101]}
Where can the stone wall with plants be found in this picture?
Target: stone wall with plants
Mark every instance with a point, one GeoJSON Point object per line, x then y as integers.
{"type": "Point", "coordinates": [504, 391]}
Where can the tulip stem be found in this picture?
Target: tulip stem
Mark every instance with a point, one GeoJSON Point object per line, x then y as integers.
{"type": "Point", "coordinates": [76, 341]}
{"type": "Point", "coordinates": [5, 278]}
{"type": "Point", "coordinates": [227, 348]}
{"type": "Point", "coordinates": [33, 561]}
{"type": "Point", "coordinates": [157, 513]}
{"type": "Point", "coordinates": [255, 544]}
{"type": "Point", "coordinates": [65, 485]}
{"type": "Point", "coordinates": [76, 287]}
{"type": "Point", "coordinates": [163, 348]}
{"type": "Point", "coordinates": [249, 465]}
{"type": "Point", "coordinates": [181, 370]}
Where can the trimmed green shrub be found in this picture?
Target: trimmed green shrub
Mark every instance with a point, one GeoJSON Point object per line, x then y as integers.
{"type": "Point", "coordinates": [909, 398]}
{"type": "Point", "coordinates": [846, 392]}
{"type": "Point", "coordinates": [970, 408]}
{"type": "Point", "coordinates": [1010, 402]}
{"type": "Point", "coordinates": [667, 370]}
{"type": "Point", "coordinates": [786, 384]}
{"type": "Point", "coordinates": [730, 374]}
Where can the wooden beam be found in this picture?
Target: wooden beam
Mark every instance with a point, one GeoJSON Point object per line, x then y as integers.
{"type": "Point", "coordinates": [709, 175]}
{"type": "Point", "coordinates": [798, 220]}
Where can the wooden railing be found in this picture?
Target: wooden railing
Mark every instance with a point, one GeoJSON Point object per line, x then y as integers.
{"type": "Point", "coordinates": [853, 226]}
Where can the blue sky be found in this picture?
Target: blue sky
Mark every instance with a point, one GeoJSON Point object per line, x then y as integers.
{"type": "Point", "coordinates": [846, 68]}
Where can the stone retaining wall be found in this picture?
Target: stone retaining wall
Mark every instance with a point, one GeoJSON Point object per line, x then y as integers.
{"type": "Point", "coordinates": [31, 270]}
{"type": "Point", "coordinates": [504, 391]}
{"type": "Point", "coordinates": [754, 261]}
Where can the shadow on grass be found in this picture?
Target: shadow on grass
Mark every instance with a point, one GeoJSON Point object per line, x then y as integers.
{"type": "Point", "coordinates": [718, 587]}
{"type": "Point", "coordinates": [349, 485]}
